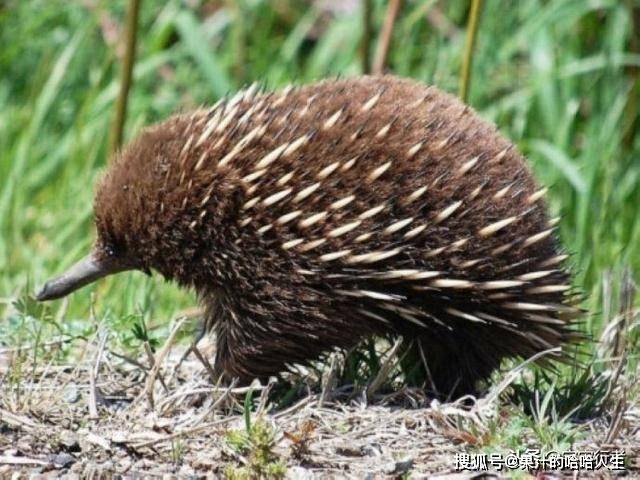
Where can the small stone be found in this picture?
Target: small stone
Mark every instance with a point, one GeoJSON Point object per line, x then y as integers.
{"type": "Point", "coordinates": [71, 394]}
{"type": "Point", "coordinates": [372, 450]}
{"type": "Point", "coordinates": [62, 460]}
{"type": "Point", "coordinates": [398, 468]}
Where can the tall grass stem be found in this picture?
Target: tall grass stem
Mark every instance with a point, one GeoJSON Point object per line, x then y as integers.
{"type": "Point", "coordinates": [238, 40]}
{"type": "Point", "coordinates": [126, 76]}
{"type": "Point", "coordinates": [467, 63]}
{"type": "Point", "coordinates": [630, 123]}
{"type": "Point", "coordinates": [386, 35]}
{"type": "Point", "coordinates": [367, 34]}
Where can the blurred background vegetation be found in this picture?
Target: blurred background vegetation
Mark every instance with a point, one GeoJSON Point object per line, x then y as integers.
{"type": "Point", "coordinates": [558, 77]}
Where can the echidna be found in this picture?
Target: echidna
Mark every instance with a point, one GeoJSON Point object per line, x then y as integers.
{"type": "Point", "coordinates": [317, 216]}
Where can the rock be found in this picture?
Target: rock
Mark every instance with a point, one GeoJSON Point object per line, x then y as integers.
{"type": "Point", "coordinates": [71, 394]}
{"type": "Point", "coordinates": [399, 467]}
{"type": "Point", "coordinates": [372, 450]}
{"type": "Point", "coordinates": [62, 460]}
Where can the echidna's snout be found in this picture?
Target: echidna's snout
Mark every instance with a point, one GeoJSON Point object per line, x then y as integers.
{"type": "Point", "coordinates": [84, 272]}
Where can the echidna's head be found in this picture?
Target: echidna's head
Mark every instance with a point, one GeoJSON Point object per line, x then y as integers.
{"type": "Point", "coordinates": [146, 216]}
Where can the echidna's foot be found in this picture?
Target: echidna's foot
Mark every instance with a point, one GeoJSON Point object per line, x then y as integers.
{"type": "Point", "coordinates": [445, 368]}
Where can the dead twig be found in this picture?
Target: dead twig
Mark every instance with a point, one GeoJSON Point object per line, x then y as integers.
{"type": "Point", "coordinates": [621, 324]}
{"type": "Point", "coordinates": [53, 343]}
{"type": "Point", "coordinates": [512, 375]}
{"type": "Point", "coordinates": [329, 380]}
{"type": "Point", "coordinates": [201, 334]}
{"type": "Point", "coordinates": [205, 390]}
{"type": "Point", "coordinates": [93, 375]}
{"type": "Point", "coordinates": [203, 360]}
{"type": "Point", "coordinates": [149, 352]}
{"type": "Point", "coordinates": [621, 350]}
{"type": "Point", "coordinates": [219, 401]}
{"type": "Point", "coordinates": [386, 367]}
{"type": "Point", "coordinates": [18, 420]}
{"type": "Point", "coordinates": [264, 397]}
{"type": "Point", "coordinates": [159, 359]}
{"type": "Point", "coordinates": [130, 360]}
{"type": "Point", "coordinates": [427, 370]}
{"type": "Point", "coordinates": [11, 460]}
{"type": "Point", "coordinates": [187, 432]}
{"type": "Point", "coordinates": [617, 418]}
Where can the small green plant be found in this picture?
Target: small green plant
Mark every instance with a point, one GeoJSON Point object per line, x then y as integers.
{"type": "Point", "coordinates": [504, 432]}
{"type": "Point", "coordinates": [361, 364]}
{"type": "Point", "coordinates": [15, 376]}
{"type": "Point", "coordinates": [26, 306]}
{"type": "Point", "coordinates": [551, 429]}
{"type": "Point", "coordinates": [578, 394]}
{"type": "Point", "coordinates": [141, 332]}
{"type": "Point", "coordinates": [177, 452]}
{"type": "Point", "coordinates": [255, 446]}
{"type": "Point", "coordinates": [515, 430]}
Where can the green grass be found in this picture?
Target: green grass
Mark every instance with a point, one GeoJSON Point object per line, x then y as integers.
{"type": "Point", "coordinates": [255, 445]}
{"type": "Point", "coordinates": [555, 76]}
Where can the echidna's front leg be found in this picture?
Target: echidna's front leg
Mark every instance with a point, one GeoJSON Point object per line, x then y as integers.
{"type": "Point", "coordinates": [453, 366]}
{"type": "Point", "coordinates": [261, 334]}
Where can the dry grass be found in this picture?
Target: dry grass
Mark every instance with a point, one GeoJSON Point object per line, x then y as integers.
{"type": "Point", "coordinates": [163, 412]}
{"type": "Point", "coordinates": [160, 414]}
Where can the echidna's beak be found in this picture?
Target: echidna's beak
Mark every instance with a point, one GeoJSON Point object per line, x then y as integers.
{"type": "Point", "coordinates": [86, 271]}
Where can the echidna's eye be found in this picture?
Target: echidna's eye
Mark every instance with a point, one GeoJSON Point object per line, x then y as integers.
{"type": "Point", "coordinates": [110, 250]}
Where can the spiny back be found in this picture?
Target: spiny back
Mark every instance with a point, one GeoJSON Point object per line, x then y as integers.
{"type": "Point", "coordinates": [311, 217]}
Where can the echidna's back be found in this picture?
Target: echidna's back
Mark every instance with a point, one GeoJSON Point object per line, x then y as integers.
{"type": "Point", "coordinates": [396, 151]}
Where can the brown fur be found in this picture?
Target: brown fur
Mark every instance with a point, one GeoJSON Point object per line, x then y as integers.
{"type": "Point", "coordinates": [174, 209]}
